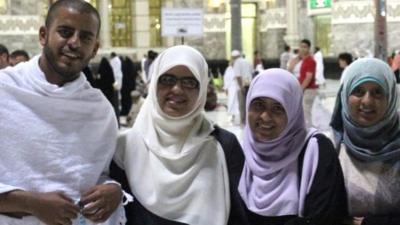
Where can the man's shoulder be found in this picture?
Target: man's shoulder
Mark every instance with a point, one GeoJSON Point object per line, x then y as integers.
{"type": "Point", "coordinates": [243, 62]}
{"type": "Point", "coordinates": [11, 75]}
{"type": "Point", "coordinates": [309, 60]}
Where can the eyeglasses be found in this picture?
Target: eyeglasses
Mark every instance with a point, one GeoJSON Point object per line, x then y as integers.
{"type": "Point", "coordinates": [171, 80]}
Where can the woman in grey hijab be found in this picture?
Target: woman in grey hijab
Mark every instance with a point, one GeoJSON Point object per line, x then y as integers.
{"type": "Point", "coordinates": [367, 130]}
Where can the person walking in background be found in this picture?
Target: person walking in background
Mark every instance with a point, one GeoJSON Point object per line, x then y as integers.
{"type": "Point", "coordinates": [344, 60]}
{"type": "Point", "coordinates": [291, 174]}
{"type": "Point", "coordinates": [294, 64]}
{"type": "Point", "coordinates": [142, 62]}
{"type": "Point", "coordinates": [231, 88]}
{"type": "Point", "coordinates": [285, 57]}
{"type": "Point", "coordinates": [116, 66]}
{"type": "Point", "coordinates": [130, 73]}
{"type": "Point", "coordinates": [396, 65]}
{"type": "Point", "coordinates": [105, 82]}
{"type": "Point", "coordinates": [151, 56]}
{"type": "Point", "coordinates": [3, 56]}
{"type": "Point", "coordinates": [367, 136]}
{"type": "Point", "coordinates": [319, 73]}
{"type": "Point", "coordinates": [243, 73]}
{"type": "Point", "coordinates": [257, 63]}
{"type": "Point", "coordinates": [307, 79]}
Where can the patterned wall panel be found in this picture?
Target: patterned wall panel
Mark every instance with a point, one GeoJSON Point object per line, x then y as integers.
{"type": "Point", "coordinates": [273, 19]}
{"type": "Point", "coordinates": [214, 23]}
{"type": "Point", "coordinates": [20, 25]}
{"type": "Point", "coordinates": [188, 3]}
{"type": "Point", "coordinates": [347, 12]}
{"type": "Point", "coordinates": [353, 12]}
{"type": "Point", "coordinates": [272, 43]}
{"type": "Point", "coordinates": [26, 7]}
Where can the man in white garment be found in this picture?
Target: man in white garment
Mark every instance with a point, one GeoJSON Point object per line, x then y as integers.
{"type": "Point", "coordinates": [319, 73]}
{"type": "Point", "coordinates": [243, 73]}
{"type": "Point", "coordinates": [285, 57]}
{"type": "Point", "coordinates": [143, 74]}
{"type": "Point", "coordinates": [116, 65]}
{"type": "Point", "coordinates": [58, 134]}
{"type": "Point", "coordinates": [231, 88]}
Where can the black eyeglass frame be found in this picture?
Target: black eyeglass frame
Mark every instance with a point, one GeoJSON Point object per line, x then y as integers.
{"type": "Point", "coordinates": [185, 82]}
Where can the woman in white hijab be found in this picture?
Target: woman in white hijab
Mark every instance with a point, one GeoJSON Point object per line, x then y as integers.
{"type": "Point", "coordinates": [180, 167]}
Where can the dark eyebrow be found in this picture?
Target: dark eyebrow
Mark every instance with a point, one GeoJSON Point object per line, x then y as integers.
{"type": "Point", "coordinates": [89, 33]}
{"type": "Point", "coordinates": [85, 32]}
{"type": "Point", "coordinates": [65, 27]}
{"type": "Point", "coordinates": [257, 100]}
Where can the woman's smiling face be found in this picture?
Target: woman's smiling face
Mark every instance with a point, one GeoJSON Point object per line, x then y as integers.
{"type": "Point", "coordinates": [367, 104]}
{"type": "Point", "coordinates": [267, 118]}
{"type": "Point", "coordinates": [177, 91]}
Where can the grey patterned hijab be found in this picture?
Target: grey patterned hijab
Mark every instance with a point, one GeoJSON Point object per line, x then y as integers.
{"type": "Point", "coordinates": [381, 141]}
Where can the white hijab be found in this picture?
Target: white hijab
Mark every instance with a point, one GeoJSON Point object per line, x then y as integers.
{"type": "Point", "coordinates": [176, 169]}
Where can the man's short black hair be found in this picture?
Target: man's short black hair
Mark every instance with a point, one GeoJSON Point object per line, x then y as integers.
{"type": "Point", "coordinates": [347, 57]}
{"type": "Point", "coordinates": [113, 54]}
{"type": "Point", "coordinates": [78, 5]}
{"type": "Point", "coordinates": [307, 42]}
{"type": "Point", "coordinates": [152, 55]}
{"type": "Point", "coordinates": [287, 48]}
{"type": "Point", "coordinates": [19, 52]}
{"type": "Point", "coordinates": [3, 49]}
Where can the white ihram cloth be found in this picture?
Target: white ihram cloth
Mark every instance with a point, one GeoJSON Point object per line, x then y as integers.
{"type": "Point", "coordinates": [116, 66]}
{"type": "Point", "coordinates": [232, 87]}
{"type": "Point", "coordinates": [319, 72]}
{"type": "Point", "coordinates": [53, 138]}
{"type": "Point", "coordinates": [175, 168]}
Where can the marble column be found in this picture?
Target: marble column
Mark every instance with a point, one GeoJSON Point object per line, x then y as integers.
{"type": "Point", "coordinates": [236, 25]}
{"type": "Point", "coordinates": [8, 7]}
{"type": "Point", "coordinates": [105, 32]}
{"type": "Point", "coordinates": [292, 36]}
{"type": "Point", "coordinates": [141, 21]}
{"type": "Point", "coordinates": [380, 30]}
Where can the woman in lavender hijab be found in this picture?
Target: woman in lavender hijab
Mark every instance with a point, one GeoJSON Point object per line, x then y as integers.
{"type": "Point", "coordinates": [291, 175]}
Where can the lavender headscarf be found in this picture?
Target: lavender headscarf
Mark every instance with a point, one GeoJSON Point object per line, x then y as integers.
{"type": "Point", "coordinates": [269, 184]}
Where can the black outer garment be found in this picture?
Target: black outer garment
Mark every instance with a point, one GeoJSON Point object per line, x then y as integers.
{"type": "Point", "coordinates": [325, 204]}
{"type": "Point", "coordinates": [381, 220]}
{"type": "Point", "coordinates": [106, 80]}
{"type": "Point", "coordinates": [138, 215]}
{"type": "Point", "coordinates": [130, 72]}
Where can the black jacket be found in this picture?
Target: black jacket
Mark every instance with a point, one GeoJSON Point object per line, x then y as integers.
{"type": "Point", "coordinates": [139, 215]}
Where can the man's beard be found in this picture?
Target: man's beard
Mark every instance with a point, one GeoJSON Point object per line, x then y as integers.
{"type": "Point", "coordinates": [65, 73]}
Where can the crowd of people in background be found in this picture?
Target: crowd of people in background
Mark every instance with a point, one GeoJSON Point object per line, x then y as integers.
{"type": "Point", "coordinates": [118, 76]}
